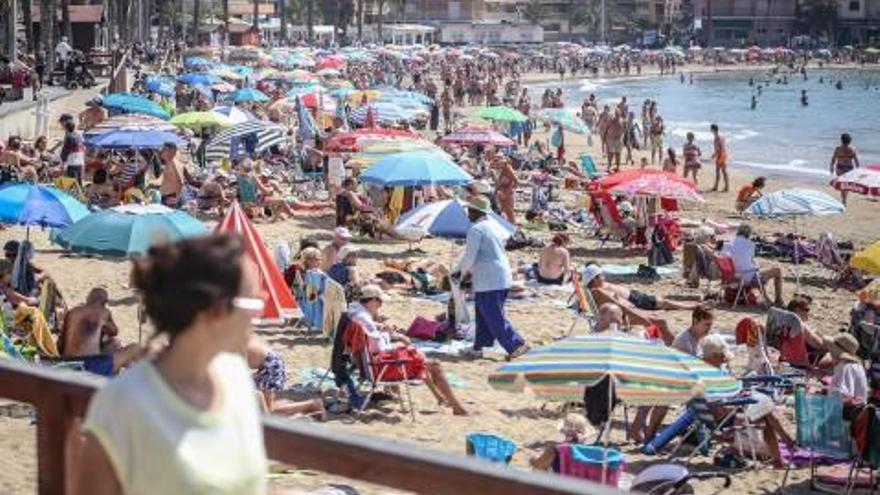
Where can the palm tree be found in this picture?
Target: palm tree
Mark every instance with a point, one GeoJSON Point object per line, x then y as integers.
{"type": "Point", "coordinates": [256, 25]}
{"type": "Point", "coordinates": [310, 20]}
{"type": "Point", "coordinates": [47, 33]}
{"type": "Point", "coordinates": [27, 20]}
{"type": "Point", "coordinates": [197, 18]}
{"type": "Point", "coordinates": [535, 11]}
{"type": "Point", "coordinates": [65, 20]}
{"type": "Point", "coordinates": [225, 21]}
{"type": "Point", "coordinates": [282, 14]}
{"type": "Point", "coordinates": [360, 19]}
{"type": "Point", "coordinates": [380, 6]}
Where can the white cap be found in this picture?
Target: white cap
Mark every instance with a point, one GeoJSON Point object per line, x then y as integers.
{"type": "Point", "coordinates": [590, 272]}
{"type": "Point", "coordinates": [342, 233]}
{"type": "Point", "coordinates": [372, 291]}
{"type": "Point", "coordinates": [345, 251]}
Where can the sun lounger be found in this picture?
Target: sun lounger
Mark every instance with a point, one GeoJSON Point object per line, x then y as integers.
{"type": "Point", "coordinates": [589, 168]}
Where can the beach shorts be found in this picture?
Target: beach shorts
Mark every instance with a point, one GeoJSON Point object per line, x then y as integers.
{"type": "Point", "coordinates": [272, 375]}
{"type": "Point", "coordinates": [692, 166]}
{"type": "Point", "coordinates": [642, 300]}
{"type": "Point", "coordinates": [99, 364]}
{"type": "Point", "coordinates": [546, 281]}
{"type": "Point", "coordinates": [615, 146]}
{"type": "Point", "coordinates": [656, 142]}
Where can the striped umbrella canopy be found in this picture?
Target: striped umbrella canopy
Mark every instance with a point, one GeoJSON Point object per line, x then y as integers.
{"type": "Point", "coordinates": [862, 180]}
{"type": "Point", "coordinates": [130, 121]}
{"type": "Point", "coordinates": [645, 373]}
{"type": "Point", "coordinates": [235, 114]}
{"type": "Point", "coordinates": [268, 135]}
{"type": "Point", "coordinates": [469, 136]}
{"type": "Point", "coordinates": [565, 117]}
{"type": "Point", "coordinates": [662, 185]}
{"type": "Point", "coordinates": [795, 203]}
{"type": "Point", "coordinates": [199, 120]}
{"type": "Point", "coordinates": [387, 113]}
{"type": "Point", "coordinates": [357, 140]}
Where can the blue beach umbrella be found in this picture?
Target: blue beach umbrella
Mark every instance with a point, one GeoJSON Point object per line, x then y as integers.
{"type": "Point", "coordinates": [128, 230]}
{"type": "Point", "coordinates": [28, 204]}
{"type": "Point", "coordinates": [199, 78]}
{"type": "Point", "coordinates": [416, 168]}
{"type": "Point", "coordinates": [126, 139]}
{"type": "Point", "coordinates": [447, 219]}
{"type": "Point", "coordinates": [197, 62]}
{"type": "Point", "coordinates": [160, 85]}
{"type": "Point", "coordinates": [131, 103]}
{"type": "Point", "coordinates": [249, 95]}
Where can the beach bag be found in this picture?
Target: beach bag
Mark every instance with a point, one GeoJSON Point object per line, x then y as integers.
{"type": "Point", "coordinates": [402, 363]}
{"type": "Point", "coordinates": [423, 328]}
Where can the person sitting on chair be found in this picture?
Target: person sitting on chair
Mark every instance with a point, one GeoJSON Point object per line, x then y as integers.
{"type": "Point", "coordinates": [385, 342]}
{"type": "Point", "coordinates": [354, 210]}
{"type": "Point", "coordinates": [574, 430]}
{"type": "Point", "coordinates": [849, 382]}
{"type": "Point", "coordinates": [330, 252]}
{"type": "Point", "coordinates": [817, 347]}
{"type": "Point", "coordinates": [742, 251]}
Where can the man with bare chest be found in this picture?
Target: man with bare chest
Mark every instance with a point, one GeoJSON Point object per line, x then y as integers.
{"type": "Point", "coordinates": [90, 332]}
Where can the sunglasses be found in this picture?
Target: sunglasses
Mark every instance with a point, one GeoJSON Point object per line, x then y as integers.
{"type": "Point", "coordinates": [250, 304]}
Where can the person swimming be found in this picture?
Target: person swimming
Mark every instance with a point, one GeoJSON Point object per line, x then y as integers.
{"type": "Point", "coordinates": [754, 102]}
{"type": "Point", "coordinates": [838, 84]}
{"type": "Point", "coordinates": [804, 100]}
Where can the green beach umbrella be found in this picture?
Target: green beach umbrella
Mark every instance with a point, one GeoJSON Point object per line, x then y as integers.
{"type": "Point", "coordinates": [565, 117]}
{"type": "Point", "coordinates": [501, 114]}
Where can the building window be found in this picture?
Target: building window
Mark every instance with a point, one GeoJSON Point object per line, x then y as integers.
{"type": "Point", "coordinates": [854, 6]}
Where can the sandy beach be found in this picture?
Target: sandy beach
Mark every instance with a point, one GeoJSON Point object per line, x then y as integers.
{"type": "Point", "coordinates": [524, 419]}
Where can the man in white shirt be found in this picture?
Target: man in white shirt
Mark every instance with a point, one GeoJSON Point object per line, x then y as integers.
{"type": "Point", "coordinates": [62, 51]}
{"type": "Point", "coordinates": [742, 251]}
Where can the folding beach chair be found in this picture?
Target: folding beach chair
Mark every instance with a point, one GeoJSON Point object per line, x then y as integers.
{"type": "Point", "coordinates": [822, 431]}
{"type": "Point", "coordinates": [608, 219]}
{"type": "Point", "coordinates": [589, 168]}
{"type": "Point", "coordinates": [374, 372]}
{"type": "Point", "coordinates": [706, 423]}
{"type": "Point", "coordinates": [584, 305]}
{"type": "Point", "coordinates": [736, 283]}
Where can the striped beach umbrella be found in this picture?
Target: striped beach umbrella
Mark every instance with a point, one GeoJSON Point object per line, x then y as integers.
{"type": "Point", "coordinates": [862, 180]}
{"type": "Point", "coordinates": [794, 203]}
{"type": "Point", "coordinates": [644, 373]}
{"type": "Point", "coordinates": [386, 113]}
{"type": "Point", "coordinates": [267, 135]}
{"type": "Point", "coordinates": [470, 136]}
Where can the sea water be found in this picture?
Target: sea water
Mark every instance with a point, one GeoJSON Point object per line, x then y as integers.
{"type": "Point", "coordinates": [779, 137]}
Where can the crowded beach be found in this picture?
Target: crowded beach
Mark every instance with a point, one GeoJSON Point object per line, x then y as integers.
{"type": "Point", "coordinates": [414, 243]}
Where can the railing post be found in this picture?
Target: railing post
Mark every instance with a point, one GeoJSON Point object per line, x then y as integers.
{"type": "Point", "coordinates": [56, 419]}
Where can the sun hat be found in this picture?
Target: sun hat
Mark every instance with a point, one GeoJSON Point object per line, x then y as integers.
{"type": "Point", "coordinates": [715, 344]}
{"type": "Point", "coordinates": [589, 273]}
{"type": "Point", "coordinates": [480, 204]}
{"type": "Point", "coordinates": [481, 187]}
{"type": "Point", "coordinates": [845, 347]}
{"type": "Point", "coordinates": [574, 425]}
{"type": "Point", "coordinates": [346, 251]}
{"type": "Point", "coordinates": [373, 291]}
{"type": "Point", "coordinates": [342, 233]}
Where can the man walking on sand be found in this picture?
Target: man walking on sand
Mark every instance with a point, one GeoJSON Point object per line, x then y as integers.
{"type": "Point", "coordinates": [721, 158]}
{"type": "Point", "coordinates": [613, 137]}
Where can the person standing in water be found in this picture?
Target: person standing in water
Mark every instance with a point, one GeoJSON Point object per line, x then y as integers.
{"type": "Point", "coordinates": [804, 100]}
{"type": "Point", "coordinates": [844, 160]}
{"type": "Point", "coordinates": [754, 102]}
{"type": "Point", "coordinates": [721, 158]}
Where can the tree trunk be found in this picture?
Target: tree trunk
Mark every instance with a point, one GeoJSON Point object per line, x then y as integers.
{"type": "Point", "coordinates": [197, 16]}
{"type": "Point", "coordinates": [710, 28]}
{"type": "Point", "coordinates": [570, 18]}
{"type": "Point", "coordinates": [310, 20]}
{"type": "Point", "coordinates": [66, 29]}
{"type": "Point", "coordinates": [225, 22]}
{"type": "Point", "coordinates": [360, 19]}
{"type": "Point", "coordinates": [282, 13]}
{"type": "Point", "coordinates": [256, 25]}
{"type": "Point", "coordinates": [27, 20]}
{"type": "Point", "coordinates": [47, 33]}
{"type": "Point", "coordinates": [380, 5]}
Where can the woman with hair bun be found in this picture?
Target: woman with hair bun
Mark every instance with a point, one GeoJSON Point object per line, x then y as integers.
{"type": "Point", "coordinates": [185, 421]}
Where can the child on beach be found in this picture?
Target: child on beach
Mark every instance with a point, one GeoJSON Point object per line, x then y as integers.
{"type": "Point", "coordinates": [691, 153]}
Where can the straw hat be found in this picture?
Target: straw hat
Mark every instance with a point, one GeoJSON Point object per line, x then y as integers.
{"type": "Point", "coordinates": [844, 347]}
{"type": "Point", "coordinates": [575, 425]}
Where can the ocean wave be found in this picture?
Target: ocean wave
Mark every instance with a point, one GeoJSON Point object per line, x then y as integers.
{"type": "Point", "coordinates": [793, 167]}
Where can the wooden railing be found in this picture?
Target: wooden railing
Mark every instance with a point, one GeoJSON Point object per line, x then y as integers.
{"type": "Point", "coordinates": [61, 398]}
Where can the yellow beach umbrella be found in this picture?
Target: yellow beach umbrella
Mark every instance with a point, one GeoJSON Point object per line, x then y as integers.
{"type": "Point", "coordinates": [199, 120]}
{"type": "Point", "coordinates": [868, 259]}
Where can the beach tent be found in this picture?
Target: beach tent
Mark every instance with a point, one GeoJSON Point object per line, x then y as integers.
{"type": "Point", "coordinates": [280, 303]}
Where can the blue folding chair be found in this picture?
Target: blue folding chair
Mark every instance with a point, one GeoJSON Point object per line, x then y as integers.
{"type": "Point", "coordinates": [588, 167]}
{"type": "Point", "coordinates": [490, 447]}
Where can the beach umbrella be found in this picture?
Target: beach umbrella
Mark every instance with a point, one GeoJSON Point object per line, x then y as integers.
{"type": "Point", "coordinates": [280, 303]}
{"type": "Point", "coordinates": [501, 114]}
{"type": "Point", "coordinates": [794, 203]}
{"type": "Point", "coordinates": [644, 372]}
{"type": "Point", "coordinates": [266, 134]}
{"type": "Point", "coordinates": [128, 230]}
{"type": "Point", "coordinates": [565, 117]}
{"type": "Point", "coordinates": [199, 78]}
{"type": "Point", "coordinates": [133, 138]}
{"type": "Point", "coordinates": [470, 136]}
{"type": "Point", "coordinates": [416, 168]}
{"type": "Point", "coordinates": [130, 121]}
{"type": "Point", "coordinates": [28, 204]}
{"type": "Point", "coordinates": [246, 95]}
{"type": "Point", "coordinates": [197, 62]}
{"type": "Point", "coordinates": [868, 259]}
{"type": "Point", "coordinates": [388, 113]}
{"type": "Point", "coordinates": [374, 151]}
{"type": "Point", "coordinates": [332, 62]}
{"type": "Point", "coordinates": [861, 180]}
{"type": "Point", "coordinates": [234, 114]}
{"type": "Point", "coordinates": [160, 85]}
{"type": "Point", "coordinates": [131, 103]}
{"type": "Point", "coordinates": [448, 219]}
{"type": "Point", "coordinates": [355, 140]}
{"type": "Point", "coordinates": [663, 185]}
{"type": "Point", "coordinates": [199, 120]}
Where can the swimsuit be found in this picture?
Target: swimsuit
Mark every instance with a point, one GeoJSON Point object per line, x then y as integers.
{"type": "Point", "coordinates": [642, 300]}
{"type": "Point", "coordinates": [272, 375]}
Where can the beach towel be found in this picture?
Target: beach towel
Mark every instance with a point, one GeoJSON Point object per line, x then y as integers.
{"type": "Point", "coordinates": [612, 271]}
{"type": "Point", "coordinates": [312, 305]}
{"type": "Point", "coordinates": [33, 325]}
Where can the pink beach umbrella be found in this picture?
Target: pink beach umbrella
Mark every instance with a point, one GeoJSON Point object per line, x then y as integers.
{"type": "Point", "coordinates": [863, 180]}
{"type": "Point", "coordinates": [477, 135]}
{"type": "Point", "coordinates": [663, 185]}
